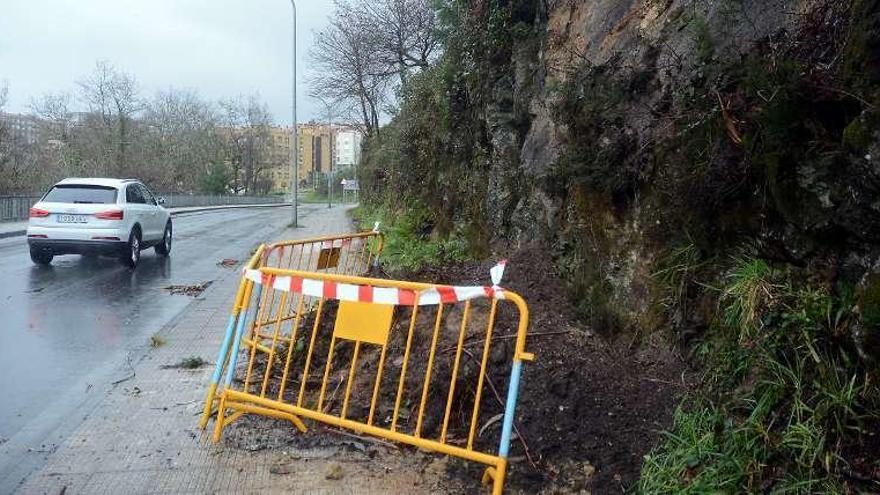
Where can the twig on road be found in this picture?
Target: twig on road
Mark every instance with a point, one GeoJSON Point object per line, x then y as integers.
{"type": "Point", "coordinates": [506, 337]}
{"type": "Point", "coordinates": [501, 403]}
{"type": "Point", "coordinates": [129, 377]}
{"type": "Point", "coordinates": [359, 437]}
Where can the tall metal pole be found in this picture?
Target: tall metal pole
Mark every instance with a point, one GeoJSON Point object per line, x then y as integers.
{"type": "Point", "coordinates": [329, 108]}
{"type": "Point", "coordinates": [330, 172]}
{"type": "Point", "coordinates": [294, 145]}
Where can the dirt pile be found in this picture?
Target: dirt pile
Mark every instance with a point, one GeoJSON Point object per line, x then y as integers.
{"type": "Point", "coordinates": [589, 409]}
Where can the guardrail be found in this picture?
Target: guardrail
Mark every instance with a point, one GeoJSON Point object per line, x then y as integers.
{"type": "Point", "coordinates": [16, 207]}
{"type": "Point", "coordinates": [184, 200]}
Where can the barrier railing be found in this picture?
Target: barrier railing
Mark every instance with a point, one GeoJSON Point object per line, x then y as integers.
{"type": "Point", "coordinates": [368, 329]}
{"type": "Point", "coordinates": [16, 207]}
{"type": "Point", "coordinates": [349, 254]}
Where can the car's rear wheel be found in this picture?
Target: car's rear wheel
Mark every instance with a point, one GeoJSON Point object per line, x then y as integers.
{"type": "Point", "coordinates": [132, 253]}
{"type": "Point", "coordinates": [41, 256]}
{"type": "Point", "coordinates": [164, 247]}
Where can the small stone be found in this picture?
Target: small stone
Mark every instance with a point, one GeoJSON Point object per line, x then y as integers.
{"type": "Point", "coordinates": [280, 469]}
{"type": "Point", "coordinates": [334, 472]}
{"type": "Point", "coordinates": [437, 467]}
{"type": "Point", "coordinates": [589, 470]}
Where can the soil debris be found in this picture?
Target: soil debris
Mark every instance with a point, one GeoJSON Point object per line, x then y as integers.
{"type": "Point", "coordinates": [334, 472]}
{"type": "Point", "coordinates": [190, 363]}
{"type": "Point", "coordinates": [584, 397]}
{"type": "Point", "coordinates": [188, 290]}
{"type": "Point", "coordinates": [281, 469]}
{"type": "Point", "coordinates": [228, 263]}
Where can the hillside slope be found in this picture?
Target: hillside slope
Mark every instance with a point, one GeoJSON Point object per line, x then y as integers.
{"type": "Point", "coordinates": [703, 171]}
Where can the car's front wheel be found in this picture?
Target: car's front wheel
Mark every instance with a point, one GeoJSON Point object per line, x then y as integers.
{"type": "Point", "coordinates": [164, 247]}
{"type": "Point", "coordinates": [132, 253]}
{"type": "Point", "coordinates": [41, 256]}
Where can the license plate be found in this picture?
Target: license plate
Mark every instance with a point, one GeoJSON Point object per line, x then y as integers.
{"type": "Point", "coordinates": [72, 219]}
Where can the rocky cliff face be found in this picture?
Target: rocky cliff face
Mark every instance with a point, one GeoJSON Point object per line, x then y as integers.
{"type": "Point", "coordinates": [653, 124]}
{"type": "Point", "coordinates": [702, 173]}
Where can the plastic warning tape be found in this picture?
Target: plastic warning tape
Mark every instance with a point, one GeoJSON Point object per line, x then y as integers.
{"type": "Point", "coordinates": [336, 243]}
{"type": "Point", "coordinates": [379, 295]}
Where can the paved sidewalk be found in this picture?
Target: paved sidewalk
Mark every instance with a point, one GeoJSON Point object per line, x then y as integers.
{"type": "Point", "coordinates": [144, 437]}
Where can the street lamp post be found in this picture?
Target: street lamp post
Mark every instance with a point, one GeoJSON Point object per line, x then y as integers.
{"type": "Point", "coordinates": [328, 106]}
{"type": "Point", "coordinates": [330, 170]}
{"type": "Point", "coordinates": [294, 145]}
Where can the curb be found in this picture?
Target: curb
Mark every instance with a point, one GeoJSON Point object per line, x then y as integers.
{"type": "Point", "coordinates": [15, 233]}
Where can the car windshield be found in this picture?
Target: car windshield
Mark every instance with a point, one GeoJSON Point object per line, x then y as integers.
{"type": "Point", "coordinates": [82, 194]}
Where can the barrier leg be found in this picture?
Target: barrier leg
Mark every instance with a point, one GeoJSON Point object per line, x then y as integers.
{"type": "Point", "coordinates": [510, 409]}
{"type": "Point", "coordinates": [495, 475]}
{"type": "Point", "coordinates": [498, 479]}
{"type": "Point", "coordinates": [218, 423]}
{"type": "Point", "coordinates": [218, 371]}
{"type": "Point", "coordinates": [507, 426]}
{"type": "Point", "coordinates": [236, 342]}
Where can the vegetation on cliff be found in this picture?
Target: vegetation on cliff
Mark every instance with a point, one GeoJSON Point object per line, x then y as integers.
{"type": "Point", "coordinates": [704, 171]}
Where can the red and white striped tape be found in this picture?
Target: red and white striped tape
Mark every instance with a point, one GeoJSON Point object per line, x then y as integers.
{"type": "Point", "coordinates": [336, 243]}
{"type": "Point", "coordinates": [379, 295]}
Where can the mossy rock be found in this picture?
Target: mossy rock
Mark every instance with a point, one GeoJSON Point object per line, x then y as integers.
{"type": "Point", "coordinates": [859, 134]}
{"type": "Point", "coordinates": [862, 54]}
{"type": "Point", "coordinates": [869, 302]}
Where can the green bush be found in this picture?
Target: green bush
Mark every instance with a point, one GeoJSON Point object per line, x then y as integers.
{"type": "Point", "coordinates": [782, 392]}
{"type": "Point", "coordinates": [408, 243]}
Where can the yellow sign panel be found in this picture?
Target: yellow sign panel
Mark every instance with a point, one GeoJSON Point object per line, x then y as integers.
{"type": "Point", "coordinates": [329, 258]}
{"type": "Point", "coordinates": [363, 322]}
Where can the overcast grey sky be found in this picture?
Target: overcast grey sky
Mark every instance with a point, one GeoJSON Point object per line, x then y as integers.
{"type": "Point", "coordinates": [220, 48]}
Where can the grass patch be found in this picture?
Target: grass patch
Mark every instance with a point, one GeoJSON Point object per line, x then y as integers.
{"type": "Point", "coordinates": [318, 197]}
{"type": "Point", "coordinates": [782, 395]}
{"type": "Point", "coordinates": [409, 240]}
{"type": "Point", "coordinates": [157, 340]}
{"type": "Point", "coordinates": [675, 275]}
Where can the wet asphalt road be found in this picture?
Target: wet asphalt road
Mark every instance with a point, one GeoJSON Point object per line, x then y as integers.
{"type": "Point", "coordinates": [70, 329]}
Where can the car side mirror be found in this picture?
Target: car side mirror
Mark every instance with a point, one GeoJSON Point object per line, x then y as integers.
{"type": "Point", "coordinates": [160, 200]}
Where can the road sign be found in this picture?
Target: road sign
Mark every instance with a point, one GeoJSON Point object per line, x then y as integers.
{"type": "Point", "coordinates": [350, 185]}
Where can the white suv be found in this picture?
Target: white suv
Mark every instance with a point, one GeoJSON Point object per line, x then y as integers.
{"type": "Point", "coordinates": [119, 217]}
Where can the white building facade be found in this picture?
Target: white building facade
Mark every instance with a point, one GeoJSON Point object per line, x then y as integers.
{"type": "Point", "coordinates": [347, 144]}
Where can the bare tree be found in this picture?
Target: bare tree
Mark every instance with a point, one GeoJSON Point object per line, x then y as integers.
{"type": "Point", "coordinates": [404, 32]}
{"type": "Point", "coordinates": [113, 96]}
{"type": "Point", "coordinates": [246, 130]}
{"type": "Point", "coordinates": [175, 140]}
{"type": "Point", "coordinates": [4, 139]}
{"type": "Point", "coordinates": [181, 142]}
{"type": "Point", "coordinates": [368, 48]}
{"type": "Point", "coordinates": [53, 110]}
{"type": "Point", "coordinates": [349, 65]}
{"type": "Point", "coordinates": [4, 94]}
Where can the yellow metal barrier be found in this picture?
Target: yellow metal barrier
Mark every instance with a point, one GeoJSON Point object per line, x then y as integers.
{"type": "Point", "coordinates": [348, 254]}
{"type": "Point", "coordinates": [348, 333]}
{"type": "Point", "coordinates": [351, 254]}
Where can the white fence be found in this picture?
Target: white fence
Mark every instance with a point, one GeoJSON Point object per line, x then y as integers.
{"type": "Point", "coordinates": [16, 207]}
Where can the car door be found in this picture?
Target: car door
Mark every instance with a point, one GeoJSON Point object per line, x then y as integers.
{"type": "Point", "coordinates": [136, 206]}
{"type": "Point", "coordinates": [156, 219]}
